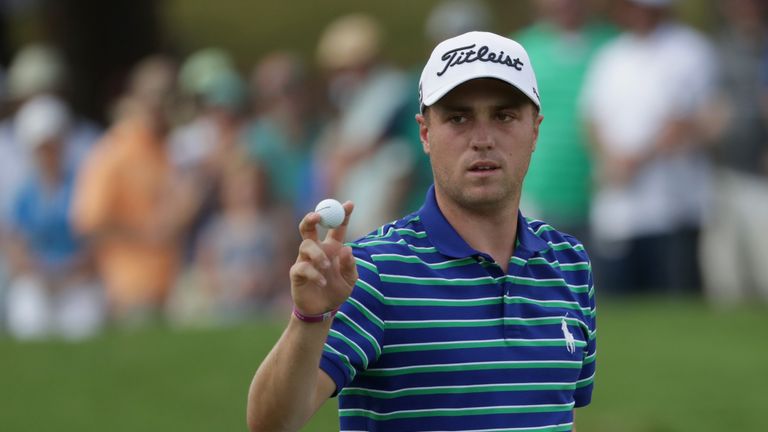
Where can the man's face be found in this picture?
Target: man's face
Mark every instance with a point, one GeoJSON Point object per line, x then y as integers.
{"type": "Point", "coordinates": [479, 138]}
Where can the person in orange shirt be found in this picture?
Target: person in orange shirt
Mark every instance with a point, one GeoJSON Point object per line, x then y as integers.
{"type": "Point", "coordinates": [126, 201]}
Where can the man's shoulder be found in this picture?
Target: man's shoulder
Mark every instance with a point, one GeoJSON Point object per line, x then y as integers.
{"type": "Point", "coordinates": [399, 236]}
{"type": "Point", "coordinates": [560, 243]}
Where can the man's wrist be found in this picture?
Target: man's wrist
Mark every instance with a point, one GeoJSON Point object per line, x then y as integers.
{"type": "Point", "coordinates": [310, 318]}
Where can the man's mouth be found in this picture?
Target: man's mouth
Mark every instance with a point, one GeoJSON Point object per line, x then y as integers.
{"type": "Point", "coordinates": [483, 166]}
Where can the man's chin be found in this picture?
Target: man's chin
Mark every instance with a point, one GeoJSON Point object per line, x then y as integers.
{"type": "Point", "coordinates": [484, 198]}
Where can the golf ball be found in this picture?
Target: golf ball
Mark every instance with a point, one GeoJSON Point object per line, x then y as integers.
{"type": "Point", "coordinates": [331, 213]}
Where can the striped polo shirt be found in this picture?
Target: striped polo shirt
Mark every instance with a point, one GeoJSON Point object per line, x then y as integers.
{"type": "Point", "coordinates": [436, 337]}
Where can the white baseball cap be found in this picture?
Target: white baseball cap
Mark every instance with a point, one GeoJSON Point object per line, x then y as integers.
{"type": "Point", "coordinates": [40, 119]}
{"type": "Point", "coordinates": [476, 55]}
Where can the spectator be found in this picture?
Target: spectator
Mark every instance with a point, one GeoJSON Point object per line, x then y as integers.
{"type": "Point", "coordinates": [284, 131]}
{"type": "Point", "coordinates": [652, 169]}
{"type": "Point", "coordinates": [216, 96]}
{"type": "Point", "coordinates": [40, 69]}
{"type": "Point", "coordinates": [734, 242]}
{"type": "Point", "coordinates": [200, 147]}
{"type": "Point", "coordinates": [241, 254]}
{"type": "Point", "coordinates": [36, 69]}
{"type": "Point", "coordinates": [562, 43]}
{"type": "Point", "coordinates": [53, 291]}
{"type": "Point", "coordinates": [367, 95]}
{"type": "Point", "coordinates": [127, 203]}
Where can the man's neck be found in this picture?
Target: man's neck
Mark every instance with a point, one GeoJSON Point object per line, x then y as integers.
{"type": "Point", "coordinates": [490, 231]}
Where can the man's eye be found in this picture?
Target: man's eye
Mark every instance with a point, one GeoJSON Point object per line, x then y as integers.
{"type": "Point", "coordinates": [457, 119]}
{"type": "Point", "coordinates": [505, 117]}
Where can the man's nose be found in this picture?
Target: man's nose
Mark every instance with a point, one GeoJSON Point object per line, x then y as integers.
{"type": "Point", "coordinates": [482, 138]}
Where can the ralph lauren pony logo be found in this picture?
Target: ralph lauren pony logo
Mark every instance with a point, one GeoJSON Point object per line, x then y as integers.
{"type": "Point", "coordinates": [467, 54]}
{"type": "Point", "coordinates": [570, 341]}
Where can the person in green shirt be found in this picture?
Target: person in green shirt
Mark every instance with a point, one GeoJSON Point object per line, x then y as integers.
{"type": "Point", "coordinates": [561, 43]}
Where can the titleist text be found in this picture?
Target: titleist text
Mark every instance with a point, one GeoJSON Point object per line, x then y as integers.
{"type": "Point", "coordinates": [467, 54]}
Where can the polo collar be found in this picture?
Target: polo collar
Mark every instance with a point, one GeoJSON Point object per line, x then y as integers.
{"type": "Point", "coordinates": [448, 242]}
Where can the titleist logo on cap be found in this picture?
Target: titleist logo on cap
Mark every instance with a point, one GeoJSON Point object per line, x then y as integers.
{"type": "Point", "coordinates": [483, 55]}
{"type": "Point", "coordinates": [467, 54]}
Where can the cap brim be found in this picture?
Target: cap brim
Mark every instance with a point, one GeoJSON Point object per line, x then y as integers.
{"type": "Point", "coordinates": [435, 96]}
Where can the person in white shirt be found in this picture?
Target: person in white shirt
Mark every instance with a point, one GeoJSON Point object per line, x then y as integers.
{"type": "Point", "coordinates": [642, 100]}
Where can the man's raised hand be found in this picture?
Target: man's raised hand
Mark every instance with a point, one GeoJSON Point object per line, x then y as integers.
{"type": "Point", "coordinates": [324, 273]}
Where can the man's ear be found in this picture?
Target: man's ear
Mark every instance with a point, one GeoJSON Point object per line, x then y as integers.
{"type": "Point", "coordinates": [536, 126]}
{"type": "Point", "coordinates": [423, 132]}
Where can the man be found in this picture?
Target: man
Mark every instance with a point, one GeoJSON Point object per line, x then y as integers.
{"type": "Point", "coordinates": [53, 291]}
{"type": "Point", "coordinates": [127, 204]}
{"type": "Point", "coordinates": [652, 170]}
{"type": "Point", "coordinates": [562, 42]}
{"type": "Point", "coordinates": [461, 316]}
{"type": "Point", "coordinates": [367, 94]}
{"type": "Point", "coordinates": [734, 241]}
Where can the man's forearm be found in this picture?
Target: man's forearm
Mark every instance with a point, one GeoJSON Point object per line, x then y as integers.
{"type": "Point", "coordinates": [282, 395]}
{"type": "Point", "coordinates": [288, 386]}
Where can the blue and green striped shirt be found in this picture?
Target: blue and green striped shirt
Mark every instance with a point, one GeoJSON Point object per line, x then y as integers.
{"type": "Point", "coordinates": [436, 337]}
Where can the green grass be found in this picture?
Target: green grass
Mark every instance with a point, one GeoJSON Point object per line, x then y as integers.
{"type": "Point", "coordinates": [662, 367]}
{"type": "Point", "coordinates": [676, 366]}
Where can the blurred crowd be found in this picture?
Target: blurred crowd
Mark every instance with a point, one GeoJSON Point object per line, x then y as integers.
{"type": "Point", "coordinates": [183, 208]}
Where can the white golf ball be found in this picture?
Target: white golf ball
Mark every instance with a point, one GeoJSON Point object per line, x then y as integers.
{"type": "Point", "coordinates": [331, 213]}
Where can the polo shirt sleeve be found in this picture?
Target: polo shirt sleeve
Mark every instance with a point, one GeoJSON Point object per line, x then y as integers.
{"type": "Point", "coordinates": [355, 338]}
{"type": "Point", "coordinates": [583, 393]}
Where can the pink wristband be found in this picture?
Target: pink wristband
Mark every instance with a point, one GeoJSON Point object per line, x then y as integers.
{"type": "Point", "coordinates": [314, 318]}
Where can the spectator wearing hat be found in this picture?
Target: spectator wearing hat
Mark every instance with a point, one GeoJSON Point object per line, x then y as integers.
{"type": "Point", "coordinates": [53, 291]}
{"type": "Point", "coordinates": [39, 69]}
{"type": "Point", "coordinates": [215, 98]}
{"type": "Point", "coordinates": [366, 95]}
{"type": "Point", "coordinates": [36, 70]}
{"type": "Point", "coordinates": [200, 147]}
